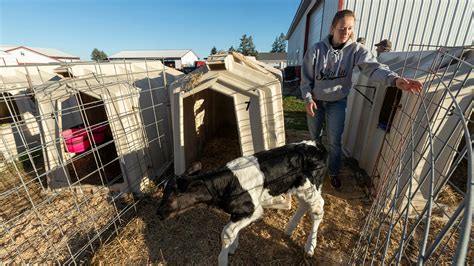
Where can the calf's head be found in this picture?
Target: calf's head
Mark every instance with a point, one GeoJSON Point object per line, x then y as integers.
{"type": "Point", "coordinates": [181, 194]}
{"type": "Point", "coordinates": [315, 157]}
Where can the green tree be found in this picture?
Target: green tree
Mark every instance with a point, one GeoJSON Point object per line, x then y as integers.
{"type": "Point", "coordinates": [98, 55]}
{"type": "Point", "coordinates": [232, 49]}
{"type": "Point", "coordinates": [279, 45]}
{"type": "Point", "coordinates": [213, 50]}
{"type": "Point", "coordinates": [246, 46]}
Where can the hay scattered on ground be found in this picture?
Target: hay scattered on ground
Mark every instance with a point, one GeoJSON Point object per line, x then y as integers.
{"type": "Point", "coordinates": [44, 226]}
{"type": "Point", "coordinates": [219, 151]}
{"type": "Point", "coordinates": [63, 219]}
{"type": "Point", "coordinates": [449, 196]}
{"type": "Point", "coordinates": [194, 237]}
{"type": "Point", "coordinates": [66, 220]}
{"type": "Point", "coordinates": [88, 165]}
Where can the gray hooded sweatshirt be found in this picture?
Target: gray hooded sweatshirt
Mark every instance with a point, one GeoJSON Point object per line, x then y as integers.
{"type": "Point", "coordinates": [326, 73]}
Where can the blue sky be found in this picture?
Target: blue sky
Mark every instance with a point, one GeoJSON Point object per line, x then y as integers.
{"type": "Point", "coordinates": [78, 26]}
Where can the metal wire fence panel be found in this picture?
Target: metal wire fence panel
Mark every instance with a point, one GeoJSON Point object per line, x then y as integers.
{"type": "Point", "coordinates": [422, 212]}
{"type": "Point", "coordinates": [79, 144]}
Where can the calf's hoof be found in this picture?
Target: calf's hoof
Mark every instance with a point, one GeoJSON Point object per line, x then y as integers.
{"type": "Point", "coordinates": [222, 260]}
{"type": "Point", "coordinates": [232, 250]}
{"type": "Point", "coordinates": [309, 250]}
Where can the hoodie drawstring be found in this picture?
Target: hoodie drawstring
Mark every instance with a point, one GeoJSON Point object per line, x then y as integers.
{"type": "Point", "coordinates": [325, 61]}
{"type": "Point", "coordinates": [339, 58]}
{"type": "Point", "coordinates": [337, 55]}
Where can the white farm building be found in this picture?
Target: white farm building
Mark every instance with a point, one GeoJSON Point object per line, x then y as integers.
{"type": "Point", "coordinates": [25, 55]}
{"type": "Point", "coordinates": [171, 58]}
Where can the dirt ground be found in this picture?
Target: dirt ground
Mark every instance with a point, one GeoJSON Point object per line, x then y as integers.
{"type": "Point", "coordinates": [194, 237]}
{"type": "Point", "coordinates": [39, 225]}
{"type": "Point", "coordinates": [64, 221]}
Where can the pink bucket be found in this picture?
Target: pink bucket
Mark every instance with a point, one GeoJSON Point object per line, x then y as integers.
{"type": "Point", "coordinates": [98, 134]}
{"type": "Point", "coordinates": [77, 141]}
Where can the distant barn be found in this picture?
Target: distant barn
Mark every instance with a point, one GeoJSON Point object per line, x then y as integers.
{"type": "Point", "coordinates": [276, 60]}
{"type": "Point", "coordinates": [25, 55]}
{"type": "Point", "coordinates": [171, 58]}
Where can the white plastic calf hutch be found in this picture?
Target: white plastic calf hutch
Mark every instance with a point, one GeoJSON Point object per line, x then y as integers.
{"type": "Point", "coordinates": [233, 97]}
{"type": "Point", "coordinates": [367, 136]}
{"type": "Point", "coordinates": [19, 130]}
{"type": "Point", "coordinates": [151, 77]}
{"type": "Point", "coordinates": [106, 128]}
{"type": "Point", "coordinates": [18, 127]}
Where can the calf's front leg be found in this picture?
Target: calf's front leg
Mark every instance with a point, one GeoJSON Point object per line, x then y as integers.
{"type": "Point", "coordinates": [231, 232]}
{"type": "Point", "coordinates": [316, 209]}
{"type": "Point", "coordinates": [234, 245]}
{"type": "Point", "coordinates": [302, 208]}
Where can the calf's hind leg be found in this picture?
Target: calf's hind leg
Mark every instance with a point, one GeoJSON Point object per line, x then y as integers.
{"type": "Point", "coordinates": [231, 232]}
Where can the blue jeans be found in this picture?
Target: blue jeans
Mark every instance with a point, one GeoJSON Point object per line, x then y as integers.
{"type": "Point", "coordinates": [334, 113]}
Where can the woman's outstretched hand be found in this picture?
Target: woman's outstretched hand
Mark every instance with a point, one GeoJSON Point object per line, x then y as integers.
{"type": "Point", "coordinates": [311, 108]}
{"type": "Point", "coordinates": [410, 85]}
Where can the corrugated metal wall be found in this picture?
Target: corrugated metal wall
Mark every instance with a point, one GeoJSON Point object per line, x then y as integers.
{"type": "Point", "coordinates": [404, 22]}
{"type": "Point", "coordinates": [330, 8]}
{"type": "Point", "coordinates": [295, 45]}
{"type": "Point", "coordinates": [316, 22]}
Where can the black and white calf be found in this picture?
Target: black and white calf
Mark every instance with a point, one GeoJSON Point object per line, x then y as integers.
{"type": "Point", "coordinates": [247, 185]}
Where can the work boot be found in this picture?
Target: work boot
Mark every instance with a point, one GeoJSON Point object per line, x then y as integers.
{"type": "Point", "coordinates": [335, 181]}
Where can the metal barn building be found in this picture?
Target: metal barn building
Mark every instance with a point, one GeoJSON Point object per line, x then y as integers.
{"type": "Point", "coordinates": [403, 22]}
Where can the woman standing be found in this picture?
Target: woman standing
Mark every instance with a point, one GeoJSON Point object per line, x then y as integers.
{"type": "Point", "coordinates": [326, 82]}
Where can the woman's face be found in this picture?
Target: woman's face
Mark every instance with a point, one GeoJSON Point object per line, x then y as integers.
{"type": "Point", "coordinates": [343, 30]}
